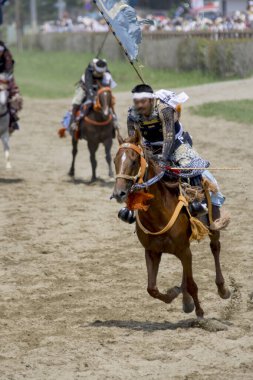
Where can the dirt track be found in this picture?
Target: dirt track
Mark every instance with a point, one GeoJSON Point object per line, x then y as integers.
{"type": "Point", "coordinates": [73, 301]}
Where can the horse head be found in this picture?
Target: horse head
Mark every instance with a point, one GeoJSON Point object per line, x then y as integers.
{"type": "Point", "coordinates": [130, 166]}
{"type": "Point", "coordinates": [104, 101]}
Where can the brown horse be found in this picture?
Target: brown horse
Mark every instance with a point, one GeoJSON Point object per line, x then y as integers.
{"type": "Point", "coordinates": [130, 167]}
{"type": "Point", "coordinates": [96, 128]}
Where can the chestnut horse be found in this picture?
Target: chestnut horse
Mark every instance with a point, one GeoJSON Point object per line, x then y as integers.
{"type": "Point", "coordinates": [96, 128]}
{"type": "Point", "coordinates": [129, 168]}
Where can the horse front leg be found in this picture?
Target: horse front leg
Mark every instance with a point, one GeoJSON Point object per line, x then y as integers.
{"type": "Point", "coordinates": [5, 141]}
{"type": "Point", "coordinates": [153, 261]}
{"type": "Point", "coordinates": [74, 154]}
{"type": "Point", "coordinates": [215, 246]}
{"type": "Point", "coordinates": [108, 157]}
{"type": "Point", "coordinates": [93, 148]}
{"type": "Point", "coordinates": [188, 281]}
{"type": "Point", "coordinates": [188, 303]}
{"type": "Point", "coordinates": [7, 159]}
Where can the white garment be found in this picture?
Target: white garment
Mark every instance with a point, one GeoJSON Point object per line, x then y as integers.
{"type": "Point", "coordinates": [171, 98]}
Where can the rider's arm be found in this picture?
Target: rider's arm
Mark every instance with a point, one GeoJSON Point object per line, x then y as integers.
{"type": "Point", "coordinates": [131, 122]}
{"type": "Point", "coordinates": [108, 80]}
{"type": "Point", "coordinates": [166, 114]}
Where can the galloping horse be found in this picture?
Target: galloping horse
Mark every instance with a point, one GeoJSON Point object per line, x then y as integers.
{"type": "Point", "coordinates": [5, 118]}
{"type": "Point", "coordinates": [97, 128]}
{"type": "Point", "coordinates": [131, 166]}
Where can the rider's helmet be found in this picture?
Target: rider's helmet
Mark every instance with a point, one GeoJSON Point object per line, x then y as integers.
{"type": "Point", "coordinates": [100, 67]}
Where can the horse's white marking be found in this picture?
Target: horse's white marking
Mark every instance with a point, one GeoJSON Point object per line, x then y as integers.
{"type": "Point", "coordinates": [123, 159]}
{"type": "Point", "coordinates": [7, 158]}
{"type": "Point", "coordinates": [106, 108]}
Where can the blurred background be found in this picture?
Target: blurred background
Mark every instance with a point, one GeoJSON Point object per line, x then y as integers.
{"type": "Point", "coordinates": [190, 42]}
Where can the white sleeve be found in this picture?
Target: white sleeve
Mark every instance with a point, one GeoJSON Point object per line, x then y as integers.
{"type": "Point", "coordinates": [108, 80]}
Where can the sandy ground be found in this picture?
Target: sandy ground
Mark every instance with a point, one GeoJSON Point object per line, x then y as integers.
{"type": "Point", "coordinates": [73, 300]}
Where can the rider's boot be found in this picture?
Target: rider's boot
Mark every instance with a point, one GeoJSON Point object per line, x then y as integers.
{"type": "Point", "coordinates": [73, 120]}
{"type": "Point", "coordinates": [127, 215]}
{"type": "Point", "coordinates": [196, 208]}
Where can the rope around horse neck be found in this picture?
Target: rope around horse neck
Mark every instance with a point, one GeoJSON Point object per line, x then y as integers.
{"type": "Point", "coordinates": [182, 202]}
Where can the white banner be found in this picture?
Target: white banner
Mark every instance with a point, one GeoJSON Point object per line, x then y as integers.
{"type": "Point", "coordinates": [196, 4]}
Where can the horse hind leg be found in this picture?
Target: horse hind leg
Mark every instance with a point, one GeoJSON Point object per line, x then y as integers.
{"type": "Point", "coordinates": [189, 285]}
{"type": "Point", "coordinates": [74, 154]}
{"type": "Point", "coordinates": [215, 246]}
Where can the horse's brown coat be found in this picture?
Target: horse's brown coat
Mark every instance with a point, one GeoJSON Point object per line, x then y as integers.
{"type": "Point", "coordinates": [176, 241]}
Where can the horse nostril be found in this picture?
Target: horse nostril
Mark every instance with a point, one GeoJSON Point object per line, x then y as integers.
{"type": "Point", "coordinates": [122, 194]}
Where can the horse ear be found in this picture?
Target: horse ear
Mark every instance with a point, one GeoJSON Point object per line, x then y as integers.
{"type": "Point", "coordinates": [137, 137]}
{"type": "Point", "coordinates": [120, 138]}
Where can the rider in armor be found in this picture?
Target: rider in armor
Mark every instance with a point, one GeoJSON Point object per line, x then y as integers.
{"type": "Point", "coordinates": [95, 76]}
{"type": "Point", "coordinates": [157, 117]}
{"type": "Point", "coordinates": [15, 100]}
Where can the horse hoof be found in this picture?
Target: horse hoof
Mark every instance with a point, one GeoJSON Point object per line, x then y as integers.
{"type": "Point", "coordinates": [225, 294]}
{"type": "Point", "coordinates": [188, 307]}
{"type": "Point", "coordinates": [172, 293]}
{"type": "Point", "coordinates": [71, 173]}
{"type": "Point", "coordinates": [200, 313]}
{"type": "Point", "coordinates": [93, 179]}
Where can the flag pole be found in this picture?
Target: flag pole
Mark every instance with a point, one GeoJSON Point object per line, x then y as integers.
{"type": "Point", "coordinates": [103, 44]}
{"type": "Point", "coordinates": [120, 44]}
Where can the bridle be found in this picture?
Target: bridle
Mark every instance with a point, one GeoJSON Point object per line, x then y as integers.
{"type": "Point", "coordinates": [97, 108]}
{"type": "Point", "coordinates": [138, 178]}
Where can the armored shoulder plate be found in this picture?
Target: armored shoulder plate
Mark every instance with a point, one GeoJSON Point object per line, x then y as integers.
{"type": "Point", "coordinates": [133, 115]}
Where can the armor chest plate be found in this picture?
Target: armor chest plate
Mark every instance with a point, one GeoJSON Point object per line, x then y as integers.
{"type": "Point", "coordinates": [152, 130]}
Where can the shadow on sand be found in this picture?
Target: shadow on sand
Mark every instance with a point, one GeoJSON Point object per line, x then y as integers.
{"type": "Point", "coordinates": [9, 181]}
{"type": "Point", "coordinates": [209, 324]}
{"type": "Point", "coordinates": [99, 182]}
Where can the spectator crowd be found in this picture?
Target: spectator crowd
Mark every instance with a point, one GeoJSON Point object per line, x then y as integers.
{"type": "Point", "coordinates": [203, 22]}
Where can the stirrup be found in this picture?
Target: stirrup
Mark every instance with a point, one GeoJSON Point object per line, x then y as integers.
{"type": "Point", "coordinates": [198, 209]}
{"type": "Point", "coordinates": [127, 216]}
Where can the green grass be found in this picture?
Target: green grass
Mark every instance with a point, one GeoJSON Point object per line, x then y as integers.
{"type": "Point", "coordinates": [54, 74]}
{"type": "Point", "coordinates": [239, 111]}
